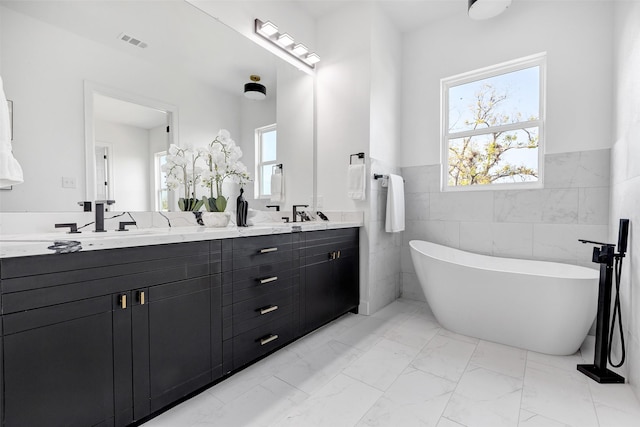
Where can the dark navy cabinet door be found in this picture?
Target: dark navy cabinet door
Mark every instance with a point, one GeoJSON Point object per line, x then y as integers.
{"type": "Point", "coordinates": [58, 365]}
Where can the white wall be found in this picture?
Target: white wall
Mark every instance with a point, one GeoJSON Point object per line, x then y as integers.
{"type": "Point", "coordinates": [577, 38]}
{"type": "Point", "coordinates": [358, 111]}
{"type": "Point", "coordinates": [344, 93]}
{"type": "Point", "coordinates": [625, 174]}
{"type": "Point", "coordinates": [43, 71]}
{"type": "Point", "coordinates": [295, 134]}
{"type": "Point", "coordinates": [386, 89]}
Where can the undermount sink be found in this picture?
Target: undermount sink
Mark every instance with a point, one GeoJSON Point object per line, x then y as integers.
{"type": "Point", "coordinates": [38, 237]}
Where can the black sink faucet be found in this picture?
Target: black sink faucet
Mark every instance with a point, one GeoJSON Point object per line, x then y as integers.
{"type": "Point", "coordinates": [295, 212]}
{"type": "Point", "coordinates": [100, 214]}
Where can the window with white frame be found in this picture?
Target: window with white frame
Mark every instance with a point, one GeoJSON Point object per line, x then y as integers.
{"type": "Point", "coordinates": [161, 189]}
{"type": "Point", "coordinates": [266, 159]}
{"type": "Point", "coordinates": [492, 126]}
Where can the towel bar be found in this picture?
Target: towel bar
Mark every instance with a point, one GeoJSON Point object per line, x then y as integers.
{"type": "Point", "coordinates": [359, 156]}
{"type": "Point", "coordinates": [378, 176]}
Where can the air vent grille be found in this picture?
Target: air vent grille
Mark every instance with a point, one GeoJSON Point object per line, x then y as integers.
{"type": "Point", "coordinates": [127, 38]}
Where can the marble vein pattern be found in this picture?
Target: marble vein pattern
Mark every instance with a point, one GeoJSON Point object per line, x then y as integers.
{"type": "Point", "coordinates": [398, 367]}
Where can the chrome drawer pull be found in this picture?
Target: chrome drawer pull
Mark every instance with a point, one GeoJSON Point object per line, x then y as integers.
{"type": "Point", "coordinates": [268, 280]}
{"type": "Point", "coordinates": [268, 339]}
{"type": "Point", "coordinates": [267, 250]}
{"type": "Point", "coordinates": [268, 309]}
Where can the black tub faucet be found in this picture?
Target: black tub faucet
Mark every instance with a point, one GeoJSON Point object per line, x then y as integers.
{"type": "Point", "coordinates": [100, 214]}
{"type": "Point", "coordinates": [295, 212]}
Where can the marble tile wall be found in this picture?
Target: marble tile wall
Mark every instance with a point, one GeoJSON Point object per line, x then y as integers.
{"type": "Point", "coordinates": [543, 224]}
{"type": "Point", "coordinates": [384, 248]}
{"type": "Point", "coordinates": [625, 203]}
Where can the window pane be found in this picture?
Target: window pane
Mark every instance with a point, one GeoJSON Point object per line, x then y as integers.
{"type": "Point", "coordinates": [164, 200]}
{"type": "Point", "coordinates": [162, 159]}
{"type": "Point", "coordinates": [508, 98]}
{"type": "Point", "coordinates": [269, 146]}
{"type": "Point", "coordinates": [501, 157]}
{"type": "Point", "coordinates": [266, 180]}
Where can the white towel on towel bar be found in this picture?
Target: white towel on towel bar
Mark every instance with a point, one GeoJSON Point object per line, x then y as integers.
{"type": "Point", "coordinates": [277, 187]}
{"type": "Point", "coordinates": [395, 205]}
{"type": "Point", "coordinates": [10, 169]}
{"type": "Point", "coordinates": [357, 181]}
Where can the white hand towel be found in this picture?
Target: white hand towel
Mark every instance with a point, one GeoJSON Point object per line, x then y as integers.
{"type": "Point", "coordinates": [357, 181]}
{"type": "Point", "coordinates": [395, 205]}
{"type": "Point", "coordinates": [10, 169]}
{"type": "Point", "coordinates": [277, 188]}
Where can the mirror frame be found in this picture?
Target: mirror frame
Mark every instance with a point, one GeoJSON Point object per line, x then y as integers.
{"type": "Point", "coordinates": [91, 88]}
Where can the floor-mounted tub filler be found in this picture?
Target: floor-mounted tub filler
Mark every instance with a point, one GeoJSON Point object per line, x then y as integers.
{"type": "Point", "coordinates": [536, 305]}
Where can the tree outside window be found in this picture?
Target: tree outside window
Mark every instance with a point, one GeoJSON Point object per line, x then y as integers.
{"type": "Point", "coordinates": [493, 121]}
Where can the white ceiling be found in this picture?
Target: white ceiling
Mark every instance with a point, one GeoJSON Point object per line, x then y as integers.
{"type": "Point", "coordinates": [406, 15]}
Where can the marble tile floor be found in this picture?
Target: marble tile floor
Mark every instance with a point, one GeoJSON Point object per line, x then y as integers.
{"type": "Point", "coordinates": [399, 368]}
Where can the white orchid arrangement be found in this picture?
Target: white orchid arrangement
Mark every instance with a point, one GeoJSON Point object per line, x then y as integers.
{"type": "Point", "coordinates": [183, 172]}
{"type": "Point", "coordinates": [222, 157]}
{"type": "Point", "coordinates": [221, 161]}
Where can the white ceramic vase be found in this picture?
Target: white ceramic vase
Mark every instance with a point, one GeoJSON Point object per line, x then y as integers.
{"type": "Point", "coordinates": [216, 219]}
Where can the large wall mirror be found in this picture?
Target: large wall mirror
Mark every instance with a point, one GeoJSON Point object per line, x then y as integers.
{"type": "Point", "coordinates": [100, 88]}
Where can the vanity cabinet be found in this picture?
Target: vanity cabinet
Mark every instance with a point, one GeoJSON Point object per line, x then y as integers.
{"type": "Point", "coordinates": [107, 337]}
{"type": "Point", "coordinates": [330, 276]}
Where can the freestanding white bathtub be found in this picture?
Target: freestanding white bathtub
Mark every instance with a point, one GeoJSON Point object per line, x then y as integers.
{"type": "Point", "coordinates": [541, 306]}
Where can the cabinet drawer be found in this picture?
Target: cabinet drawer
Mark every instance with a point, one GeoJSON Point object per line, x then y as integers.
{"type": "Point", "coordinates": [264, 285]}
{"type": "Point", "coordinates": [261, 340]}
{"type": "Point", "coordinates": [262, 271]}
{"type": "Point", "coordinates": [252, 251]}
{"type": "Point", "coordinates": [318, 254]}
{"type": "Point", "coordinates": [78, 262]}
{"type": "Point", "coordinates": [252, 313]}
{"type": "Point", "coordinates": [257, 243]}
{"type": "Point", "coordinates": [345, 237]}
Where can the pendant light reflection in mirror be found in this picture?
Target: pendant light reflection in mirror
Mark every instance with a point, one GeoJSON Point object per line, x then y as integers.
{"type": "Point", "coordinates": [255, 90]}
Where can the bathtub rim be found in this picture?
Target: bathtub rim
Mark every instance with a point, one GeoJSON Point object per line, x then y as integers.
{"type": "Point", "coordinates": [492, 261]}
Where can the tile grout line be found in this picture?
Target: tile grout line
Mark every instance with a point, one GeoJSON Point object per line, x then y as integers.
{"type": "Point", "coordinates": [457, 385]}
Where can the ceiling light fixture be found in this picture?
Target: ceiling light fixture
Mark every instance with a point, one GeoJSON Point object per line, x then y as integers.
{"type": "Point", "coordinates": [254, 90]}
{"type": "Point", "coordinates": [485, 9]}
{"type": "Point", "coordinates": [300, 49]}
{"type": "Point", "coordinates": [269, 28]}
{"type": "Point", "coordinates": [284, 42]}
{"type": "Point", "coordinates": [312, 58]}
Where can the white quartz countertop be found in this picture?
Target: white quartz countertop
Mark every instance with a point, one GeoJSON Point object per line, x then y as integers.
{"type": "Point", "coordinates": [16, 245]}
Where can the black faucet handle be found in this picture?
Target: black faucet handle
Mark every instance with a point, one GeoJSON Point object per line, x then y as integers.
{"type": "Point", "coordinates": [86, 205]}
{"type": "Point", "coordinates": [105, 202]}
{"type": "Point", "coordinates": [274, 206]}
{"type": "Point", "coordinates": [123, 225]}
{"type": "Point", "coordinates": [73, 227]}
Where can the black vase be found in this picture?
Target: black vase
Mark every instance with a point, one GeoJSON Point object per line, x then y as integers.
{"type": "Point", "coordinates": [242, 210]}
